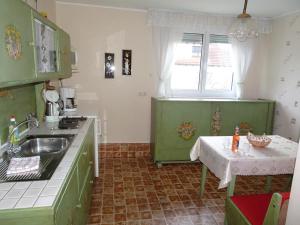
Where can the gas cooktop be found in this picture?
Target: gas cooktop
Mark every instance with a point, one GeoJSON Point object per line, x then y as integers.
{"type": "Point", "coordinates": [70, 122]}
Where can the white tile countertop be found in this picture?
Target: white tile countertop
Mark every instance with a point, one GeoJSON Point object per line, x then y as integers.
{"type": "Point", "coordinates": [42, 193]}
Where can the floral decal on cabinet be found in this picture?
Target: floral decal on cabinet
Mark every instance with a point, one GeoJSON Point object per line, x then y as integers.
{"type": "Point", "coordinates": [186, 130]}
{"type": "Point", "coordinates": [13, 42]}
{"type": "Point", "coordinates": [216, 123]}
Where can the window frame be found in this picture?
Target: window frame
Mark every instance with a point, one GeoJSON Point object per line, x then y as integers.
{"type": "Point", "coordinates": [201, 92]}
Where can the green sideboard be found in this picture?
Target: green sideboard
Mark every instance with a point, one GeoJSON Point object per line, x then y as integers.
{"type": "Point", "coordinates": [32, 48]}
{"type": "Point", "coordinates": [72, 203]}
{"type": "Point", "coordinates": [177, 123]}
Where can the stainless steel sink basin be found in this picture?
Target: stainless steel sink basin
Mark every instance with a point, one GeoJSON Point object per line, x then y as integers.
{"type": "Point", "coordinates": [39, 145]}
{"type": "Point", "coordinates": [50, 148]}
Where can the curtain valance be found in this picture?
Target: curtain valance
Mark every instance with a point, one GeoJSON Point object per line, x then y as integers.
{"type": "Point", "coordinates": [197, 22]}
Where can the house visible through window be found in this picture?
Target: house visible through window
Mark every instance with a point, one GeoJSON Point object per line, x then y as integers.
{"type": "Point", "coordinates": [203, 65]}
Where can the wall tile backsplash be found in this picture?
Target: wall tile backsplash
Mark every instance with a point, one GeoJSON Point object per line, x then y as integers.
{"type": "Point", "coordinates": [19, 102]}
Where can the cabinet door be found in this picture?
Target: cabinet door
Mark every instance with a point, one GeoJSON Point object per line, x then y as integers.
{"type": "Point", "coordinates": [65, 68]}
{"type": "Point", "coordinates": [192, 118]}
{"type": "Point", "coordinates": [253, 114]}
{"type": "Point", "coordinates": [66, 210]}
{"type": "Point", "coordinates": [46, 47]}
{"type": "Point", "coordinates": [82, 209]}
{"type": "Point", "coordinates": [16, 43]}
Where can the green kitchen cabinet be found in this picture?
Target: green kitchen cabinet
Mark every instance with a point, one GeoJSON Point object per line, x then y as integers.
{"type": "Point", "coordinates": [32, 48]}
{"type": "Point", "coordinates": [65, 67]}
{"type": "Point", "coordinates": [16, 43]}
{"type": "Point", "coordinates": [65, 211]}
{"type": "Point", "coordinates": [71, 205]}
{"type": "Point", "coordinates": [177, 123]}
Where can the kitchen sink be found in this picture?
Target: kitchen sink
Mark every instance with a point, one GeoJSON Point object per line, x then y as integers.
{"type": "Point", "coordinates": [43, 145]}
{"type": "Point", "coordinates": [50, 148]}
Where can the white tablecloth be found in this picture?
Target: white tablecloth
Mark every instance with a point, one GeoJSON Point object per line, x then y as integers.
{"type": "Point", "coordinates": [215, 152]}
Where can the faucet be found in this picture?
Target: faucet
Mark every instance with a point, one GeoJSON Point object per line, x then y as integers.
{"type": "Point", "coordinates": [31, 121]}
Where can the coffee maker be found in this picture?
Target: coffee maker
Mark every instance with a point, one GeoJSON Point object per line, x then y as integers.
{"type": "Point", "coordinates": [68, 97]}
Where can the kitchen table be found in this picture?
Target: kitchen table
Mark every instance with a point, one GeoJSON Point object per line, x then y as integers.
{"type": "Point", "coordinates": [215, 153]}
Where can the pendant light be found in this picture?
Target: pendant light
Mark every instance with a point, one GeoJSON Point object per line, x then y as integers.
{"type": "Point", "coordinates": [244, 27]}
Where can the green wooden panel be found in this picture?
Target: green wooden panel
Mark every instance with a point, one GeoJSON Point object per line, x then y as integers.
{"type": "Point", "coordinates": [16, 13]}
{"type": "Point", "coordinates": [172, 116]}
{"type": "Point", "coordinates": [85, 200]}
{"type": "Point", "coordinates": [168, 115]}
{"type": "Point", "coordinates": [85, 158]}
{"type": "Point", "coordinates": [67, 206]}
{"type": "Point", "coordinates": [42, 216]}
{"type": "Point", "coordinates": [233, 113]}
{"type": "Point", "coordinates": [65, 68]}
{"type": "Point", "coordinates": [19, 102]}
{"type": "Point", "coordinates": [82, 166]}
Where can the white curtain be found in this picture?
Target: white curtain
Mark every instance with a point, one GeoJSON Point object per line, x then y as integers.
{"type": "Point", "coordinates": [166, 26]}
{"type": "Point", "coordinates": [165, 40]}
{"type": "Point", "coordinates": [242, 58]}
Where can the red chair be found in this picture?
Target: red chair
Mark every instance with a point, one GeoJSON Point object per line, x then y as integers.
{"type": "Point", "coordinates": [260, 209]}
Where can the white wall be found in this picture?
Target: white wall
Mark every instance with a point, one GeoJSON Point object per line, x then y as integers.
{"type": "Point", "coordinates": [94, 31]}
{"type": "Point", "coordinates": [282, 81]}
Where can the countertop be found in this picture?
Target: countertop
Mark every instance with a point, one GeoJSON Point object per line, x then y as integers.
{"type": "Point", "coordinates": [30, 194]}
{"type": "Point", "coordinates": [210, 100]}
{"type": "Point", "coordinates": [82, 112]}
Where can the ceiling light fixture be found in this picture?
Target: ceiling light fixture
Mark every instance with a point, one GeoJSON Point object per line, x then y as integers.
{"type": "Point", "coordinates": [244, 27]}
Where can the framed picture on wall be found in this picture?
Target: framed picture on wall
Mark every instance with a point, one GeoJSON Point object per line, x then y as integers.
{"type": "Point", "coordinates": [126, 62]}
{"type": "Point", "coordinates": [109, 64]}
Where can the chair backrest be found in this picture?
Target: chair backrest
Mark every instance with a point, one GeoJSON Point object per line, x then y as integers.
{"type": "Point", "coordinates": [276, 213]}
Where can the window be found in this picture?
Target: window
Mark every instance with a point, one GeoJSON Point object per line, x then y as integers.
{"type": "Point", "coordinates": [203, 66]}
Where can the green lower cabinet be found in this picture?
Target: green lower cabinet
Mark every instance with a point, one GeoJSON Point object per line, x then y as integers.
{"type": "Point", "coordinates": [176, 124]}
{"type": "Point", "coordinates": [72, 204]}
{"type": "Point", "coordinates": [84, 200]}
{"type": "Point", "coordinates": [65, 212]}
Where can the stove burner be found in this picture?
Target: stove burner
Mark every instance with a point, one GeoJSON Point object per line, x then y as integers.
{"type": "Point", "coordinates": [70, 122]}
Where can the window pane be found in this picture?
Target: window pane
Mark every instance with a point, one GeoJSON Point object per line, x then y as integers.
{"type": "Point", "coordinates": [187, 63]}
{"type": "Point", "coordinates": [219, 75]}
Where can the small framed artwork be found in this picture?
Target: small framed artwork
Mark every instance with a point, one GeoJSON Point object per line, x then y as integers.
{"type": "Point", "coordinates": [109, 64]}
{"type": "Point", "coordinates": [126, 62]}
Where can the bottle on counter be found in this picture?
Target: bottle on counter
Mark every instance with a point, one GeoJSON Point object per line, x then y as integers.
{"type": "Point", "coordinates": [12, 124]}
{"type": "Point", "coordinates": [235, 139]}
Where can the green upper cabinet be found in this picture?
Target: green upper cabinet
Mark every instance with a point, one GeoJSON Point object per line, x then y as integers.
{"type": "Point", "coordinates": [16, 43]}
{"type": "Point", "coordinates": [65, 67]}
{"type": "Point", "coordinates": [32, 48]}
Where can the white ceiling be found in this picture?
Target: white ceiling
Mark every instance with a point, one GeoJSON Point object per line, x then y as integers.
{"type": "Point", "coordinates": [264, 8]}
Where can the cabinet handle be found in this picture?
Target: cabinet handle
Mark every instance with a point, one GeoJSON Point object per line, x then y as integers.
{"type": "Point", "coordinates": [91, 181]}
{"type": "Point", "coordinates": [31, 43]}
{"type": "Point", "coordinates": [91, 162]}
{"type": "Point", "coordinates": [84, 153]}
{"type": "Point", "coordinates": [78, 206]}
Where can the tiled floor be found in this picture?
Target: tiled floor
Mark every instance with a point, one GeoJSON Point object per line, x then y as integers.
{"type": "Point", "coordinates": [134, 191]}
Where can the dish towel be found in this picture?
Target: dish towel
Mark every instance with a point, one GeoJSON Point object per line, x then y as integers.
{"type": "Point", "coordinates": [23, 166]}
